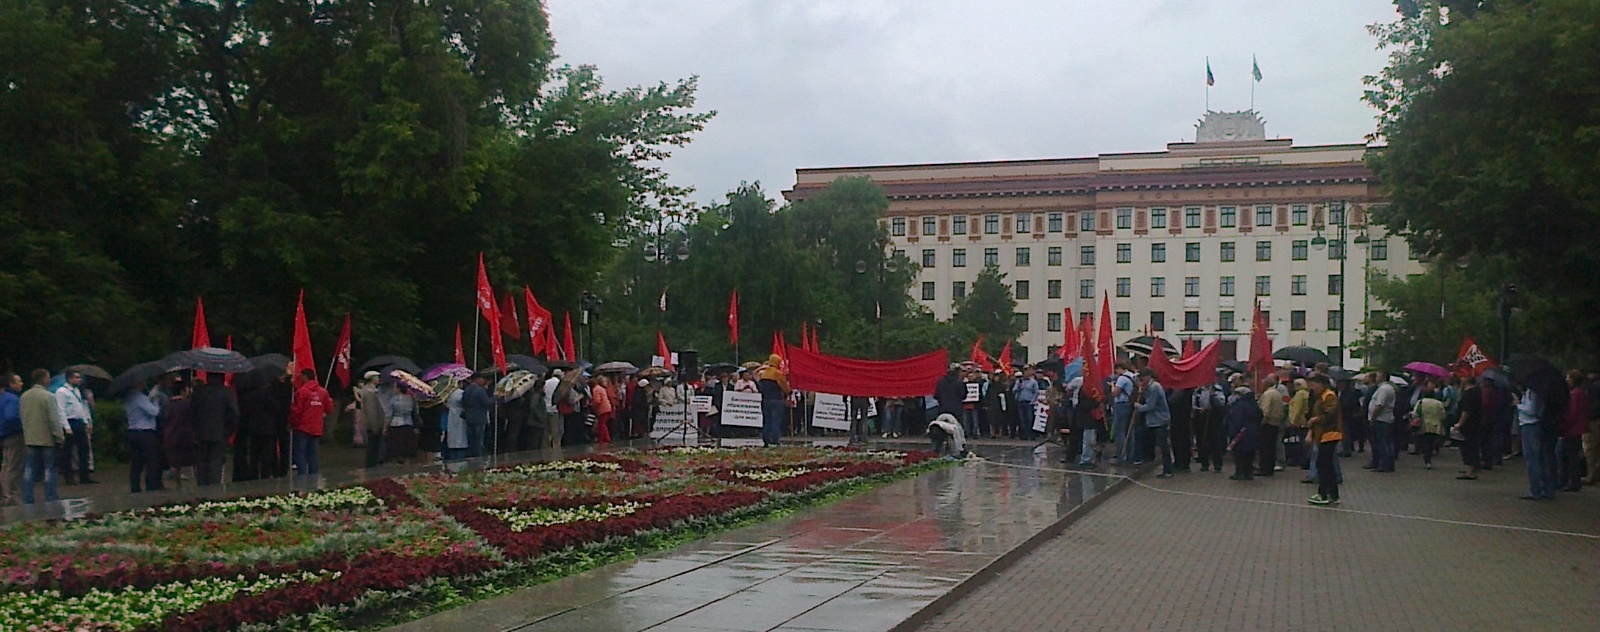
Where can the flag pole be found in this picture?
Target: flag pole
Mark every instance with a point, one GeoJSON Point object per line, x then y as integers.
{"type": "Point", "coordinates": [1253, 82]}
{"type": "Point", "coordinates": [1208, 84]}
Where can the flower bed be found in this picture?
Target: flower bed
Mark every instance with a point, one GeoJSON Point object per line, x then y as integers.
{"type": "Point", "coordinates": [342, 556]}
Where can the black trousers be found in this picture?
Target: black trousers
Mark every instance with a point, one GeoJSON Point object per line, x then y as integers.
{"type": "Point", "coordinates": [1267, 448]}
{"type": "Point", "coordinates": [244, 463]}
{"type": "Point", "coordinates": [1243, 460]}
{"type": "Point", "coordinates": [1213, 442]}
{"type": "Point", "coordinates": [144, 447]}
{"type": "Point", "coordinates": [208, 469]}
{"type": "Point", "coordinates": [1327, 476]}
{"type": "Point", "coordinates": [263, 458]}
{"type": "Point", "coordinates": [1182, 441]}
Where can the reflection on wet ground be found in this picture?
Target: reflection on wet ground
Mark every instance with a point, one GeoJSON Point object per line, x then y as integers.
{"type": "Point", "coordinates": [867, 562]}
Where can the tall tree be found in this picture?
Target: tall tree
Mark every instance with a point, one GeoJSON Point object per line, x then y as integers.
{"type": "Point", "coordinates": [990, 309]}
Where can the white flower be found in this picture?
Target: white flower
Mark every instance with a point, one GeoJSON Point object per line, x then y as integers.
{"type": "Point", "coordinates": [522, 519]}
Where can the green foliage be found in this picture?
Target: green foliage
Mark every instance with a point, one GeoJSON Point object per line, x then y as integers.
{"type": "Point", "coordinates": [990, 309]}
{"type": "Point", "coordinates": [1491, 113]}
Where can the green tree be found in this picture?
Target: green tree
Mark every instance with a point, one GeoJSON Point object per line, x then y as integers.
{"type": "Point", "coordinates": [989, 309]}
{"type": "Point", "coordinates": [1491, 115]}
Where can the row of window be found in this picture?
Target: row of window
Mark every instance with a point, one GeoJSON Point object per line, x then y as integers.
{"type": "Point", "coordinates": [1299, 250]}
{"type": "Point", "coordinates": [1023, 290]}
{"type": "Point", "coordinates": [1228, 217]}
{"type": "Point", "coordinates": [1226, 320]}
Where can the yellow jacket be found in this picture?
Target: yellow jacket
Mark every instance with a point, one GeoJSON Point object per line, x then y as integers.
{"type": "Point", "coordinates": [1300, 409]}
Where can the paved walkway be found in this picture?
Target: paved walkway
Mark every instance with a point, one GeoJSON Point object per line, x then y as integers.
{"type": "Point", "coordinates": [1200, 552]}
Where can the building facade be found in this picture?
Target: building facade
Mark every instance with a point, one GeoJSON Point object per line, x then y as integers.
{"type": "Point", "coordinates": [1185, 241]}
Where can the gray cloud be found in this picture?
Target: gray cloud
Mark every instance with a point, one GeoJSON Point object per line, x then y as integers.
{"type": "Point", "coordinates": [855, 82]}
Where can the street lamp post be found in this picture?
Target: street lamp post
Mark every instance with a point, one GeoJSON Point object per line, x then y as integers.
{"type": "Point", "coordinates": [658, 251]}
{"type": "Point", "coordinates": [885, 264]}
{"type": "Point", "coordinates": [1508, 299]}
{"type": "Point", "coordinates": [1319, 242]}
{"type": "Point", "coordinates": [588, 310]}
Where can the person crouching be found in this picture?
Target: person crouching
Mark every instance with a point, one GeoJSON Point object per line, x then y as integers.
{"type": "Point", "coordinates": [947, 437]}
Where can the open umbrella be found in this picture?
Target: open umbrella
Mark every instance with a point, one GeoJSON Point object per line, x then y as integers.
{"type": "Point", "coordinates": [1301, 355]}
{"type": "Point", "coordinates": [89, 370]}
{"type": "Point", "coordinates": [1427, 368]}
{"type": "Point", "coordinates": [628, 367]}
{"type": "Point", "coordinates": [271, 365]}
{"type": "Point", "coordinates": [210, 360]}
{"type": "Point", "coordinates": [383, 362]}
{"type": "Point", "coordinates": [452, 369]}
{"type": "Point", "coordinates": [404, 379]}
{"type": "Point", "coordinates": [1339, 374]}
{"type": "Point", "coordinates": [653, 371]}
{"type": "Point", "coordinates": [142, 372]}
{"type": "Point", "coordinates": [527, 363]}
{"type": "Point", "coordinates": [1233, 365]}
{"type": "Point", "coordinates": [1143, 345]}
{"type": "Point", "coordinates": [1498, 377]}
{"type": "Point", "coordinates": [1536, 373]}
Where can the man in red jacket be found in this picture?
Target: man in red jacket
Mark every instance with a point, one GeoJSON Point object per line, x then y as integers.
{"type": "Point", "coordinates": [307, 415]}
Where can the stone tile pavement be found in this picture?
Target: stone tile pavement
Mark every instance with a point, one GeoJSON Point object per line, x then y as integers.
{"type": "Point", "coordinates": [1412, 550]}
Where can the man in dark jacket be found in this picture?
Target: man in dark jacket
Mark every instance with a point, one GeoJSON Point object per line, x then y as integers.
{"type": "Point", "coordinates": [216, 417]}
{"type": "Point", "coordinates": [261, 417]}
{"type": "Point", "coordinates": [951, 391]}
{"type": "Point", "coordinates": [475, 405]}
{"type": "Point", "coordinates": [1244, 421]}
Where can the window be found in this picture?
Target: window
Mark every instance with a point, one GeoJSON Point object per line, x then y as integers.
{"type": "Point", "coordinates": [1053, 256]}
{"type": "Point", "coordinates": [897, 227]}
{"type": "Point", "coordinates": [958, 257]}
{"type": "Point", "coordinates": [991, 224]}
{"type": "Point", "coordinates": [1124, 253]}
{"type": "Point", "coordinates": [1297, 320]}
{"type": "Point", "coordinates": [1299, 249]}
{"type": "Point", "coordinates": [1052, 289]}
{"type": "Point", "coordinates": [1158, 287]}
{"type": "Point", "coordinates": [958, 225]}
{"type": "Point", "coordinates": [1022, 319]}
{"type": "Point", "coordinates": [1380, 250]}
{"type": "Point", "coordinates": [1225, 321]}
{"type": "Point", "coordinates": [1263, 215]}
{"type": "Point", "coordinates": [930, 225]}
{"type": "Point", "coordinates": [1266, 317]}
{"type": "Point", "coordinates": [1335, 320]}
{"type": "Point", "coordinates": [1086, 255]}
{"type": "Point", "coordinates": [1022, 290]}
{"type": "Point", "coordinates": [1264, 285]}
{"type": "Point", "coordinates": [1228, 251]}
{"type": "Point", "coordinates": [1226, 287]}
{"type": "Point", "coordinates": [1336, 213]}
{"type": "Point", "coordinates": [1158, 218]}
{"type": "Point", "coordinates": [1300, 214]}
{"type": "Point", "coordinates": [1158, 253]}
{"type": "Point", "coordinates": [928, 257]}
{"type": "Point", "coordinates": [1055, 222]}
{"type": "Point", "coordinates": [1263, 251]}
{"type": "Point", "coordinates": [1124, 287]}
{"type": "Point", "coordinates": [1191, 321]}
{"type": "Point", "coordinates": [1086, 222]}
{"type": "Point", "coordinates": [958, 290]}
{"type": "Point", "coordinates": [1086, 288]}
{"type": "Point", "coordinates": [1124, 321]}
{"type": "Point", "coordinates": [1191, 217]}
{"type": "Point", "coordinates": [1335, 284]}
{"type": "Point", "coordinates": [1158, 321]}
{"type": "Point", "coordinates": [928, 291]}
{"type": "Point", "coordinates": [1052, 321]}
{"type": "Point", "coordinates": [1335, 250]}
{"type": "Point", "coordinates": [1191, 286]}
{"type": "Point", "coordinates": [1024, 257]}
{"type": "Point", "coordinates": [991, 256]}
{"type": "Point", "coordinates": [1024, 222]}
{"type": "Point", "coordinates": [1124, 218]}
{"type": "Point", "coordinates": [1297, 285]}
{"type": "Point", "coordinates": [1230, 216]}
{"type": "Point", "coordinates": [1191, 253]}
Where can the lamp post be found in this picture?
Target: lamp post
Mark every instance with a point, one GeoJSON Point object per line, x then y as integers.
{"type": "Point", "coordinates": [659, 250]}
{"type": "Point", "coordinates": [884, 264]}
{"type": "Point", "coordinates": [1319, 242]}
{"type": "Point", "coordinates": [588, 310]}
{"type": "Point", "coordinates": [1508, 300]}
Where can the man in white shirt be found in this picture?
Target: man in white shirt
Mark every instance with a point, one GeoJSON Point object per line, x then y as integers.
{"type": "Point", "coordinates": [75, 418]}
{"type": "Point", "coordinates": [1380, 411]}
{"type": "Point", "coordinates": [1530, 408]}
{"type": "Point", "coordinates": [552, 418]}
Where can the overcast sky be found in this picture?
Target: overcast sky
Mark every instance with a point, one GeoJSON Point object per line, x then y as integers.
{"type": "Point", "coordinates": [821, 83]}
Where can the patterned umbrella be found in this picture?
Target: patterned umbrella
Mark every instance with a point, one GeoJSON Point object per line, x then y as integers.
{"type": "Point", "coordinates": [210, 360]}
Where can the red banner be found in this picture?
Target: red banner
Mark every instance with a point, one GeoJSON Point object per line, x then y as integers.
{"type": "Point", "coordinates": [822, 373]}
{"type": "Point", "coordinates": [1194, 371]}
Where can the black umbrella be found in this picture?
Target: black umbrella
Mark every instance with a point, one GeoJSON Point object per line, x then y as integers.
{"type": "Point", "coordinates": [561, 364]}
{"type": "Point", "coordinates": [210, 360]}
{"type": "Point", "coordinates": [390, 362]}
{"type": "Point", "coordinates": [1536, 373]}
{"type": "Point", "coordinates": [1340, 374]}
{"type": "Point", "coordinates": [1301, 355]}
{"type": "Point", "coordinates": [527, 363]}
{"type": "Point", "coordinates": [271, 365]}
{"type": "Point", "coordinates": [1143, 346]}
{"type": "Point", "coordinates": [89, 370]}
{"type": "Point", "coordinates": [1234, 365]}
{"type": "Point", "coordinates": [142, 372]}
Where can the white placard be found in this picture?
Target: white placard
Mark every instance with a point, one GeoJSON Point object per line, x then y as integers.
{"type": "Point", "coordinates": [972, 392]}
{"type": "Point", "coordinates": [672, 424]}
{"type": "Point", "coordinates": [741, 409]}
{"type": "Point", "coordinates": [831, 412]}
{"type": "Point", "coordinates": [1041, 416]}
{"type": "Point", "coordinates": [703, 405]}
{"type": "Point", "coordinates": [741, 443]}
{"type": "Point", "coordinates": [872, 407]}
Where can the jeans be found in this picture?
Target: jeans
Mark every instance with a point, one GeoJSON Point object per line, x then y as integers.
{"type": "Point", "coordinates": [145, 449]}
{"type": "Point", "coordinates": [772, 422]}
{"type": "Point", "coordinates": [1315, 457]}
{"type": "Point", "coordinates": [1532, 451]}
{"type": "Point", "coordinates": [969, 422]}
{"type": "Point", "coordinates": [1025, 413]}
{"type": "Point", "coordinates": [305, 454]}
{"type": "Point", "coordinates": [1163, 436]}
{"type": "Point", "coordinates": [1121, 414]}
{"type": "Point", "coordinates": [77, 447]}
{"type": "Point", "coordinates": [41, 465]}
{"type": "Point", "coordinates": [1383, 454]}
{"type": "Point", "coordinates": [1087, 454]}
{"type": "Point", "coordinates": [891, 420]}
{"type": "Point", "coordinates": [475, 433]}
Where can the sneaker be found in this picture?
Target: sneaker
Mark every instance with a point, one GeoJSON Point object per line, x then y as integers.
{"type": "Point", "coordinates": [1427, 466]}
{"type": "Point", "coordinates": [1276, 468]}
{"type": "Point", "coordinates": [1164, 475]}
{"type": "Point", "coordinates": [1317, 499]}
{"type": "Point", "coordinates": [1333, 501]}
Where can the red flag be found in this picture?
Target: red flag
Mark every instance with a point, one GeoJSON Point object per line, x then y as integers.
{"type": "Point", "coordinates": [1194, 371]}
{"type": "Point", "coordinates": [1005, 357]}
{"type": "Point", "coordinates": [661, 350]}
{"type": "Point", "coordinates": [733, 318]}
{"type": "Point", "coordinates": [1093, 379]}
{"type": "Point", "coordinates": [227, 378]}
{"type": "Point", "coordinates": [816, 340]}
{"type": "Point", "coordinates": [302, 340]}
{"type": "Point", "coordinates": [539, 324]}
{"type": "Point", "coordinates": [490, 313]}
{"type": "Point", "coordinates": [568, 352]}
{"type": "Point", "coordinates": [341, 352]}
{"type": "Point", "coordinates": [1103, 351]}
{"type": "Point", "coordinates": [1190, 347]}
{"type": "Point", "coordinates": [461, 356]}
{"type": "Point", "coordinates": [1260, 348]}
{"type": "Point", "coordinates": [805, 337]}
{"type": "Point", "coordinates": [1069, 337]}
{"type": "Point", "coordinates": [980, 357]}
{"type": "Point", "coordinates": [509, 324]}
{"type": "Point", "coordinates": [1471, 361]}
{"type": "Point", "coordinates": [201, 337]}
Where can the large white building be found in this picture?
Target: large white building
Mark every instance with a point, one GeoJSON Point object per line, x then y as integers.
{"type": "Point", "coordinates": [1182, 240]}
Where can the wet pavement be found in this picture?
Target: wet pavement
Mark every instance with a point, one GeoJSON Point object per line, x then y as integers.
{"type": "Point", "coordinates": [865, 563]}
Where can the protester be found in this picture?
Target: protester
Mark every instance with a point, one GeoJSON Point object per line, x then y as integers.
{"type": "Point", "coordinates": [1088, 413]}
{"type": "Point", "coordinates": [1122, 416]}
{"type": "Point", "coordinates": [1001, 405]}
{"type": "Point", "coordinates": [368, 407]}
{"type": "Point", "coordinates": [476, 402]}
{"type": "Point", "coordinates": [947, 437]}
{"type": "Point", "coordinates": [180, 445]}
{"type": "Point", "coordinates": [1326, 432]}
{"type": "Point", "coordinates": [1529, 410]}
{"type": "Point", "coordinates": [144, 440]}
{"type": "Point", "coordinates": [455, 426]}
{"type": "Point", "coordinates": [401, 429]}
{"type": "Point", "coordinates": [892, 409]}
{"type": "Point", "coordinates": [1157, 417]}
{"type": "Point", "coordinates": [1297, 416]}
{"type": "Point", "coordinates": [307, 417]}
{"type": "Point", "coordinates": [15, 449]}
{"type": "Point", "coordinates": [1473, 427]}
{"type": "Point", "coordinates": [260, 415]}
{"type": "Point", "coordinates": [1276, 415]}
{"type": "Point", "coordinates": [42, 433]}
{"type": "Point", "coordinates": [774, 388]}
{"type": "Point", "coordinates": [1569, 475]}
{"type": "Point", "coordinates": [72, 407]}
{"type": "Point", "coordinates": [1244, 424]}
{"type": "Point", "coordinates": [639, 405]}
{"type": "Point", "coordinates": [1027, 394]}
{"type": "Point", "coordinates": [1210, 433]}
{"type": "Point", "coordinates": [604, 412]}
{"type": "Point", "coordinates": [570, 395]}
{"type": "Point", "coordinates": [1355, 419]}
{"type": "Point", "coordinates": [1427, 417]}
{"type": "Point", "coordinates": [1381, 416]}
